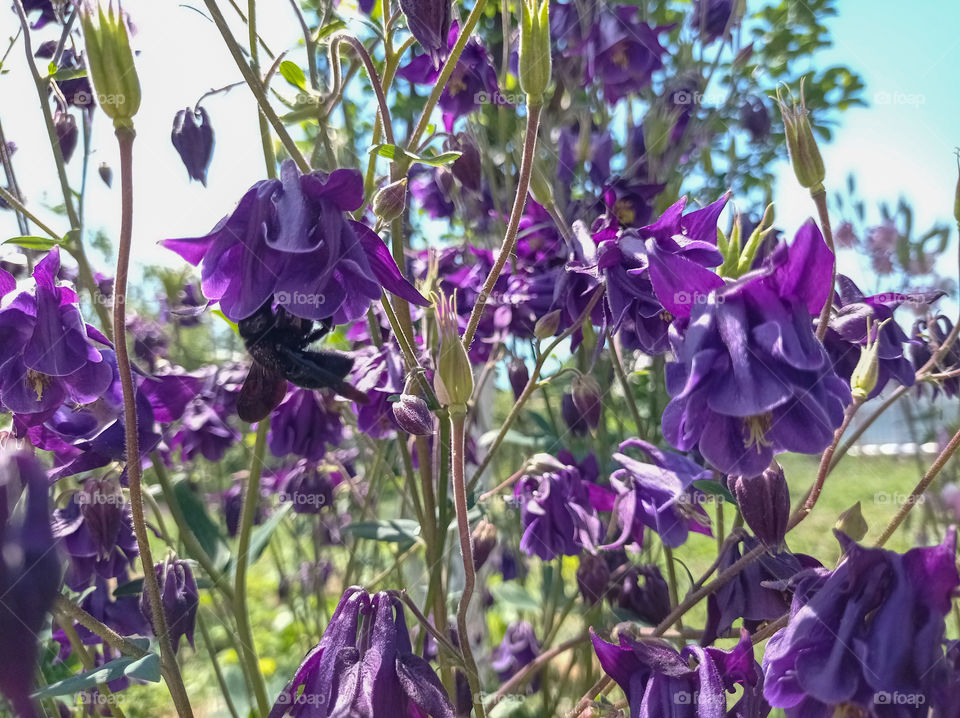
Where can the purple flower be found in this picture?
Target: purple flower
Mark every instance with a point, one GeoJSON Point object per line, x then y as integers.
{"type": "Point", "coordinates": [847, 333]}
{"type": "Point", "coordinates": [674, 253]}
{"type": "Point", "coordinates": [764, 503]}
{"type": "Point", "coordinates": [303, 425]}
{"type": "Point", "coordinates": [658, 495]}
{"type": "Point", "coordinates": [873, 626]}
{"type": "Point", "coordinates": [204, 431]}
{"type": "Point", "coordinates": [429, 23]}
{"type": "Point", "coordinates": [557, 510]}
{"type": "Point", "coordinates": [622, 52]}
{"type": "Point", "coordinates": [927, 335]}
{"type": "Point", "coordinates": [96, 528]}
{"type": "Point", "coordinates": [750, 379]}
{"type": "Point", "coordinates": [659, 682]}
{"type": "Point", "coordinates": [178, 596]}
{"type": "Point", "coordinates": [518, 648]}
{"type": "Point", "coordinates": [364, 666]}
{"type": "Point", "coordinates": [192, 137]}
{"type": "Point", "coordinates": [378, 373]}
{"type": "Point", "coordinates": [48, 356]}
{"type": "Point", "coordinates": [710, 18]}
{"type": "Point", "coordinates": [29, 577]}
{"type": "Point", "coordinates": [755, 119]}
{"type": "Point", "coordinates": [308, 487]}
{"type": "Point", "coordinates": [642, 591]}
{"type": "Point", "coordinates": [431, 187]}
{"type": "Point", "coordinates": [472, 83]}
{"type": "Point", "coordinates": [290, 240]}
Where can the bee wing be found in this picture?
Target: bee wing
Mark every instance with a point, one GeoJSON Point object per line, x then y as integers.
{"type": "Point", "coordinates": [260, 394]}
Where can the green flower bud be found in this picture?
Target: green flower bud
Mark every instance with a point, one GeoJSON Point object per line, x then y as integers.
{"type": "Point", "coordinates": [547, 325]}
{"type": "Point", "coordinates": [864, 377]}
{"type": "Point", "coordinates": [540, 188]}
{"type": "Point", "coordinates": [110, 62]}
{"type": "Point", "coordinates": [801, 144]}
{"type": "Point", "coordinates": [453, 379]}
{"type": "Point", "coordinates": [390, 201]}
{"type": "Point", "coordinates": [536, 63]}
{"type": "Point", "coordinates": [852, 523]}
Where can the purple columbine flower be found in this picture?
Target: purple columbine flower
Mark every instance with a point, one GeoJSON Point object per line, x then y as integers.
{"type": "Point", "coordinates": [659, 682]}
{"type": "Point", "coordinates": [97, 532]}
{"type": "Point", "coordinates": [308, 487]}
{"type": "Point", "coordinates": [192, 137]}
{"type": "Point", "coordinates": [641, 590]}
{"type": "Point", "coordinates": [557, 510]}
{"type": "Point", "coordinates": [47, 354]}
{"type": "Point", "coordinates": [710, 18]}
{"type": "Point", "coordinates": [364, 666]}
{"type": "Point", "coordinates": [378, 374]}
{"type": "Point", "coordinates": [872, 628]}
{"type": "Point", "coordinates": [622, 52]}
{"type": "Point", "coordinates": [178, 596]}
{"type": "Point", "coordinates": [429, 23]}
{"type": "Point", "coordinates": [847, 333]}
{"type": "Point", "coordinates": [29, 577]}
{"type": "Point", "coordinates": [673, 252]}
{"type": "Point", "coordinates": [518, 648]}
{"type": "Point", "coordinates": [290, 240]}
{"type": "Point", "coordinates": [204, 431]}
{"type": "Point", "coordinates": [304, 424]}
{"type": "Point", "coordinates": [750, 379]}
{"type": "Point", "coordinates": [472, 83]}
{"type": "Point", "coordinates": [928, 335]}
{"type": "Point", "coordinates": [658, 495]}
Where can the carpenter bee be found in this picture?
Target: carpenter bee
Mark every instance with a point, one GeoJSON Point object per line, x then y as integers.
{"type": "Point", "coordinates": [277, 342]}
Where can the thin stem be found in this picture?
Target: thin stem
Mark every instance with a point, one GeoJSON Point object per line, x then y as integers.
{"type": "Point", "coordinates": [673, 585]}
{"type": "Point", "coordinates": [76, 645]}
{"type": "Point", "coordinates": [109, 636]}
{"type": "Point", "coordinates": [820, 199]}
{"type": "Point", "coordinates": [125, 137]}
{"type": "Point", "coordinates": [374, 81]}
{"type": "Point", "coordinates": [920, 488]}
{"type": "Point", "coordinates": [212, 650]}
{"type": "Point", "coordinates": [251, 497]}
{"type": "Point", "coordinates": [521, 677]}
{"type": "Point", "coordinates": [466, 549]}
{"type": "Point", "coordinates": [20, 208]}
{"type": "Point", "coordinates": [866, 424]}
{"type": "Point", "coordinates": [622, 378]}
{"type": "Point", "coordinates": [510, 238]}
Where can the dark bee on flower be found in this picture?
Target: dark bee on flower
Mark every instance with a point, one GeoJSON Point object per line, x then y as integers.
{"type": "Point", "coordinates": [278, 344]}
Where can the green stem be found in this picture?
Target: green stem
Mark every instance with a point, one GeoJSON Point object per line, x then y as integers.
{"type": "Point", "coordinates": [624, 383]}
{"type": "Point", "coordinates": [251, 497]}
{"type": "Point", "coordinates": [820, 200]}
{"type": "Point", "coordinates": [212, 651]}
{"type": "Point", "coordinates": [125, 137]}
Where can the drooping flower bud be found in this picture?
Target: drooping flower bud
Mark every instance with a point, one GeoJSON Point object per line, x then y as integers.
{"type": "Point", "coordinates": [413, 415]}
{"type": "Point", "coordinates": [484, 541]}
{"type": "Point", "coordinates": [462, 695]}
{"type": "Point", "coordinates": [518, 375]}
{"type": "Point", "coordinates": [468, 167]}
{"type": "Point", "coordinates": [764, 502]}
{"type": "Point", "coordinates": [106, 174]}
{"type": "Point", "coordinates": [110, 62]}
{"type": "Point", "coordinates": [572, 416]}
{"type": "Point", "coordinates": [429, 23]}
{"type": "Point", "coordinates": [593, 578]}
{"type": "Point", "coordinates": [192, 136]}
{"type": "Point", "coordinates": [453, 380]}
{"type": "Point", "coordinates": [67, 133]}
{"type": "Point", "coordinates": [864, 377]}
{"type": "Point", "coordinates": [755, 119]}
{"type": "Point", "coordinates": [852, 523]}
{"type": "Point", "coordinates": [587, 399]}
{"type": "Point", "coordinates": [179, 597]}
{"type": "Point", "coordinates": [645, 593]}
{"type": "Point", "coordinates": [801, 144]}
{"type": "Point", "coordinates": [391, 200]}
{"type": "Point", "coordinates": [547, 325]}
{"type": "Point", "coordinates": [535, 63]}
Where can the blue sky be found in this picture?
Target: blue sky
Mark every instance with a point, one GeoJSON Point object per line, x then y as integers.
{"type": "Point", "coordinates": [901, 145]}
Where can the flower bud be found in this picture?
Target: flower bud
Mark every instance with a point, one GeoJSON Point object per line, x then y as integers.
{"type": "Point", "coordinates": [468, 167]}
{"type": "Point", "coordinates": [852, 523]}
{"type": "Point", "coordinates": [764, 503]}
{"type": "Point", "coordinates": [864, 378]}
{"type": "Point", "coordinates": [593, 576]}
{"type": "Point", "coordinates": [518, 375]}
{"type": "Point", "coordinates": [801, 144]}
{"type": "Point", "coordinates": [645, 593]}
{"type": "Point", "coordinates": [540, 189]}
{"type": "Point", "coordinates": [535, 63]}
{"type": "Point", "coordinates": [572, 416]}
{"type": "Point", "coordinates": [755, 119]}
{"type": "Point", "coordinates": [106, 174]}
{"type": "Point", "coordinates": [413, 415]}
{"type": "Point", "coordinates": [462, 695]}
{"type": "Point", "coordinates": [429, 23]}
{"type": "Point", "coordinates": [586, 398]}
{"type": "Point", "coordinates": [484, 541]}
{"type": "Point", "coordinates": [547, 325]}
{"type": "Point", "coordinates": [67, 133]}
{"type": "Point", "coordinates": [453, 380]}
{"type": "Point", "coordinates": [179, 598]}
{"type": "Point", "coordinates": [110, 62]}
{"type": "Point", "coordinates": [390, 200]}
{"type": "Point", "coordinates": [192, 136]}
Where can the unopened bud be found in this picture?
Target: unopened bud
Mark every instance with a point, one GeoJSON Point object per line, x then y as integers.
{"type": "Point", "coordinates": [67, 133]}
{"type": "Point", "coordinates": [453, 380]}
{"type": "Point", "coordinates": [390, 201]}
{"type": "Point", "coordinates": [413, 415]}
{"type": "Point", "coordinates": [593, 577]}
{"type": "Point", "coordinates": [587, 399]}
{"type": "Point", "coordinates": [106, 174]}
{"type": "Point", "coordinates": [484, 541]}
{"type": "Point", "coordinates": [852, 523]}
{"type": "Point", "coordinates": [801, 144]}
{"type": "Point", "coordinates": [547, 325]}
{"type": "Point", "coordinates": [518, 375]}
{"type": "Point", "coordinates": [467, 169]}
{"type": "Point", "coordinates": [764, 504]}
{"type": "Point", "coordinates": [535, 62]}
{"type": "Point", "coordinates": [192, 136]}
{"type": "Point", "coordinates": [864, 378]}
{"type": "Point", "coordinates": [540, 189]}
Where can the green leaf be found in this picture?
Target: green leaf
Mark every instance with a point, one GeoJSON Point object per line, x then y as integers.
{"type": "Point", "coordinates": [260, 536]}
{"type": "Point", "coordinates": [232, 325]}
{"type": "Point", "coordinates": [328, 30]}
{"type": "Point", "coordinates": [715, 488]}
{"type": "Point", "coordinates": [146, 669]}
{"type": "Point", "coordinates": [516, 596]}
{"type": "Point", "coordinates": [40, 243]}
{"type": "Point", "coordinates": [67, 73]}
{"type": "Point", "coordinates": [292, 73]}
{"type": "Point", "coordinates": [196, 517]}
{"type": "Point", "coordinates": [392, 152]}
{"type": "Point", "coordinates": [130, 588]}
{"type": "Point", "coordinates": [400, 531]}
